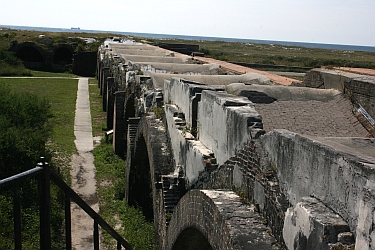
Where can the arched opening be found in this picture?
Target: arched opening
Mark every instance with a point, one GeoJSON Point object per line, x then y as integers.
{"type": "Point", "coordinates": [139, 186]}
{"type": "Point", "coordinates": [129, 108]}
{"type": "Point", "coordinates": [29, 54]}
{"type": "Point", "coordinates": [62, 56]}
{"type": "Point", "coordinates": [191, 239]}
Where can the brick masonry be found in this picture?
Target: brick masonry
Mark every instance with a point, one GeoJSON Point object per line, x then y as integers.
{"type": "Point", "coordinates": [225, 222]}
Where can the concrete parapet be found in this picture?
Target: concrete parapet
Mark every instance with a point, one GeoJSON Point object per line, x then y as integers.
{"type": "Point", "coordinates": [181, 93]}
{"type": "Point", "coordinates": [226, 123]}
{"type": "Point", "coordinates": [164, 59]}
{"type": "Point", "coordinates": [311, 225]}
{"type": "Point", "coordinates": [212, 80]}
{"type": "Point", "coordinates": [191, 155]}
{"type": "Point", "coordinates": [301, 162]}
{"type": "Point", "coordinates": [174, 68]}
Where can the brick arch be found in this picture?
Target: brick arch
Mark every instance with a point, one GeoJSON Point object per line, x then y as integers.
{"type": "Point", "coordinates": [63, 54]}
{"type": "Point", "coordinates": [219, 216]}
{"type": "Point", "coordinates": [32, 55]}
{"type": "Point", "coordinates": [148, 141]}
{"type": "Point", "coordinates": [139, 180]}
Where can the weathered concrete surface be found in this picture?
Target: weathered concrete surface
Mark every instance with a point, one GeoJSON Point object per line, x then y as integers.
{"type": "Point", "coordinates": [282, 93]}
{"type": "Point", "coordinates": [142, 52]}
{"type": "Point", "coordinates": [163, 59]}
{"type": "Point", "coordinates": [174, 68]}
{"type": "Point", "coordinates": [183, 93]}
{"type": "Point", "coordinates": [224, 221]}
{"type": "Point", "coordinates": [340, 189]}
{"type": "Point", "coordinates": [190, 155]}
{"type": "Point", "coordinates": [251, 78]}
{"type": "Point", "coordinates": [83, 170]}
{"type": "Point", "coordinates": [311, 225]}
{"type": "Point", "coordinates": [281, 80]}
{"type": "Point", "coordinates": [226, 123]}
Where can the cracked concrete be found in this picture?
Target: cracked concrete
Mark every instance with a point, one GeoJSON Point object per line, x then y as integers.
{"type": "Point", "coordinates": [83, 171]}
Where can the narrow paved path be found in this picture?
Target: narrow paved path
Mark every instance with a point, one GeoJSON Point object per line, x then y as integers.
{"type": "Point", "coordinates": [83, 170]}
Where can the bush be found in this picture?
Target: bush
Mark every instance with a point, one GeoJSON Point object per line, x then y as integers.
{"type": "Point", "coordinates": [24, 131]}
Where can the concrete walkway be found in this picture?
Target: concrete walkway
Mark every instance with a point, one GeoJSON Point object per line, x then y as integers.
{"type": "Point", "coordinates": [83, 170]}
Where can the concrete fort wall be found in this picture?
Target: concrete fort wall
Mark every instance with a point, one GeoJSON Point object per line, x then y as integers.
{"type": "Point", "coordinates": [189, 154]}
{"type": "Point", "coordinates": [226, 123]}
{"type": "Point", "coordinates": [311, 192]}
{"type": "Point", "coordinates": [281, 170]}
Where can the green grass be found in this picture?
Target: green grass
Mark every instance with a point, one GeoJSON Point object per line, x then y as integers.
{"type": "Point", "coordinates": [129, 221]}
{"type": "Point", "coordinates": [61, 94]}
{"type": "Point", "coordinates": [279, 54]}
{"type": "Point", "coordinates": [36, 73]}
{"type": "Point", "coordinates": [98, 116]}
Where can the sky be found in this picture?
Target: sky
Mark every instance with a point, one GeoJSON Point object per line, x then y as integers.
{"type": "Point", "coordinates": [350, 22]}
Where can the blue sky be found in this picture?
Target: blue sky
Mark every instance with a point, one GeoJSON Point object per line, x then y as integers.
{"type": "Point", "coordinates": [333, 21]}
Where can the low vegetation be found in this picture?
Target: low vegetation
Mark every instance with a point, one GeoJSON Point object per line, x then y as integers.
{"type": "Point", "coordinates": [36, 120]}
{"type": "Point", "coordinates": [128, 221]}
{"type": "Point", "coordinates": [274, 54]}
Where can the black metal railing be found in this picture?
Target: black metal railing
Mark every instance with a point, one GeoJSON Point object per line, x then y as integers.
{"type": "Point", "coordinates": [45, 176]}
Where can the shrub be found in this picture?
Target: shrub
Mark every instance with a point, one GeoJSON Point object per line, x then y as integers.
{"type": "Point", "coordinates": [24, 131]}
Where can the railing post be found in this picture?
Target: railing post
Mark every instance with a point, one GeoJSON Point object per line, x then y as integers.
{"type": "Point", "coordinates": [68, 222]}
{"type": "Point", "coordinates": [96, 235]}
{"type": "Point", "coordinates": [45, 205]}
{"type": "Point", "coordinates": [17, 217]}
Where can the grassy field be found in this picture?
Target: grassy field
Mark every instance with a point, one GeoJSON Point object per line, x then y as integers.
{"type": "Point", "coordinates": [274, 54]}
{"type": "Point", "coordinates": [61, 94]}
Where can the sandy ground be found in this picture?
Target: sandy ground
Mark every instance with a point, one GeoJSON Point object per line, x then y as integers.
{"type": "Point", "coordinates": [83, 171]}
{"type": "Point", "coordinates": [370, 72]}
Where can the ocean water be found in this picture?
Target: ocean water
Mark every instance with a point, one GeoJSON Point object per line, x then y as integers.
{"type": "Point", "coordinates": [167, 36]}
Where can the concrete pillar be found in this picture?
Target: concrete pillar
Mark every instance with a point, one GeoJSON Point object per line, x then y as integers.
{"type": "Point", "coordinates": [119, 124]}
{"type": "Point", "coordinates": [100, 73]}
{"type": "Point", "coordinates": [105, 74]}
{"type": "Point", "coordinates": [110, 101]}
{"type": "Point", "coordinates": [104, 94]}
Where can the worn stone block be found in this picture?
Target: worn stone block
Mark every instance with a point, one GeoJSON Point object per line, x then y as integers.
{"type": "Point", "coordinates": [311, 225]}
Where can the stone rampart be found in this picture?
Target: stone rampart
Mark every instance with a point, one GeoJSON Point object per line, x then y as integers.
{"type": "Point", "coordinates": [282, 168]}
{"type": "Point", "coordinates": [187, 132]}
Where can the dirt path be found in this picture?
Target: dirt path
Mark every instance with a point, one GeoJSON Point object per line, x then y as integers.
{"type": "Point", "coordinates": [83, 170]}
